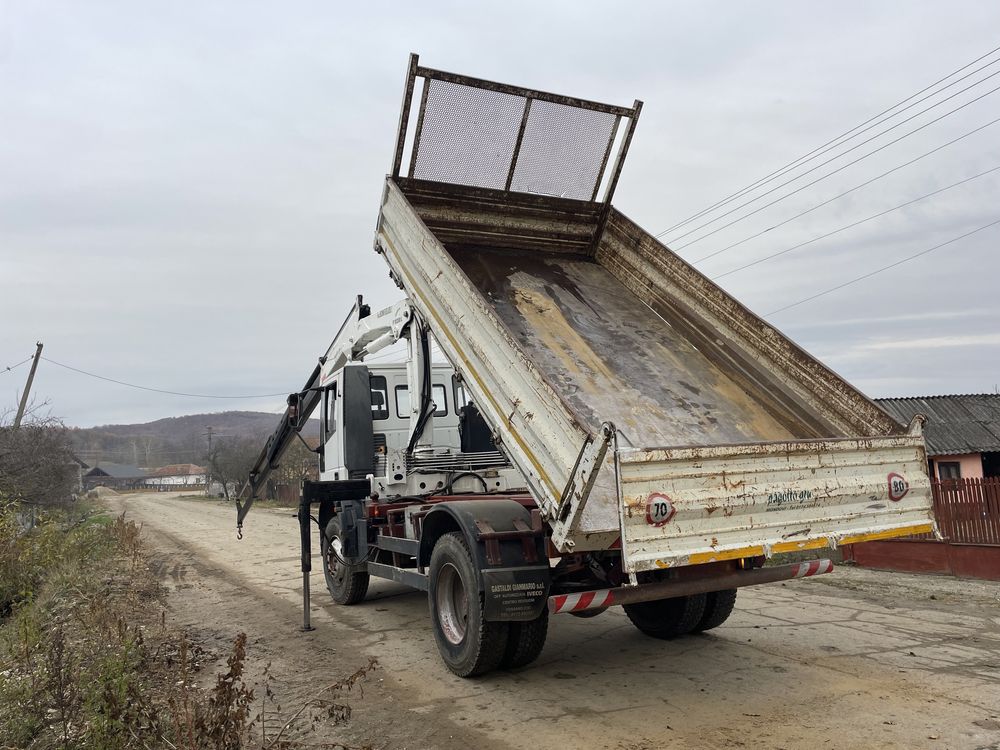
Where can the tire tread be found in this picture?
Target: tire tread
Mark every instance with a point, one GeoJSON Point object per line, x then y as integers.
{"type": "Point", "coordinates": [718, 606]}
{"type": "Point", "coordinates": [667, 618]}
{"type": "Point", "coordinates": [492, 636]}
{"type": "Point", "coordinates": [525, 641]}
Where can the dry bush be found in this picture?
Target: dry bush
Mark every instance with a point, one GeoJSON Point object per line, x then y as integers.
{"type": "Point", "coordinates": [88, 661]}
{"type": "Point", "coordinates": [37, 467]}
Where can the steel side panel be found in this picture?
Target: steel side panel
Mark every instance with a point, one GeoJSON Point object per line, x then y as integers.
{"type": "Point", "coordinates": [540, 436]}
{"type": "Point", "coordinates": [773, 496]}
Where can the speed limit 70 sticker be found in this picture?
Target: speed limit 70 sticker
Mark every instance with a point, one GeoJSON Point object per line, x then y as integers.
{"type": "Point", "coordinates": [659, 509]}
{"type": "Point", "coordinates": [898, 487]}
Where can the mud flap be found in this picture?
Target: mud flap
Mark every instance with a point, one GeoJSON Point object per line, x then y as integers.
{"type": "Point", "coordinates": [515, 594]}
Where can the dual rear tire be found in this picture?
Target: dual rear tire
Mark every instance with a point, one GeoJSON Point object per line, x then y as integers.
{"type": "Point", "coordinates": [469, 644]}
{"type": "Point", "coordinates": [671, 618]}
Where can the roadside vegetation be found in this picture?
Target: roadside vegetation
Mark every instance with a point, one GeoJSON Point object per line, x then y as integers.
{"type": "Point", "coordinates": [88, 655]}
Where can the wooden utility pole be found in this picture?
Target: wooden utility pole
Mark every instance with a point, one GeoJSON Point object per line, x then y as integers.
{"type": "Point", "coordinates": [27, 388]}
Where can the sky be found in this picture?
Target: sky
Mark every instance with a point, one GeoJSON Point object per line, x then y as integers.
{"type": "Point", "coordinates": [188, 191]}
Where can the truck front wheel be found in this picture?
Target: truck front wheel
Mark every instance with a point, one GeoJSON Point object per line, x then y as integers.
{"type": "Point", "coordinates": [668, 618]}
{"type": "Point", "coordinates": [469, 645]}
{"type": "Point", "coordinates": [347, 583]}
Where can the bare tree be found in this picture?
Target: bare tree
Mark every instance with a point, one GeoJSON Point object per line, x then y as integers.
{"type": "Point", "coordinates": [37, 466]}
{"type": "Point", "coordinates": [229, 463]}
{"type": "Point", "coordinates": [299, 462]}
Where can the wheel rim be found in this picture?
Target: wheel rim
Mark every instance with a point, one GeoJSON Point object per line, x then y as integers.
{"type": "Point", "coordinates": [452, 604]}
{"type": "Point", "coordinates": [335, 560]}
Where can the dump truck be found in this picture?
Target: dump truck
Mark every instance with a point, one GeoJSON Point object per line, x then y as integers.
{"type": "Point", "coordinates": [606, 426]}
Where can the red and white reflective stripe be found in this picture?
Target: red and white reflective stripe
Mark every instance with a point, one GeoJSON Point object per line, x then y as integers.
{"type": "Point", "coordinates": [812, 568]}
{"type": "Point", "coordinates": [584, 600]}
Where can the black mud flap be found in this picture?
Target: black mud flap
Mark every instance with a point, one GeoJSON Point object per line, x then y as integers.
{"type": "Point", "coordinates": [515, 594]}
{"type": "Point", "coordinates": [507, 542]}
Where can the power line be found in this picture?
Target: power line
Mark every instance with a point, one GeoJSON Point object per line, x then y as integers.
{"type": "Point", "coordinates": [828, 174]}
{"type": "Point", "coordinates": [14, 367]}
{"type": "Point", "coordinates": [854, 224]}
{"type": "Point", "coordinates": [883, 268]}
{"type": "Point", "coordinates": [834, 198]}
{"type": "Point", "coordinates": [842, 137]}
{"type": "Point", "coordinates": [156, 390]}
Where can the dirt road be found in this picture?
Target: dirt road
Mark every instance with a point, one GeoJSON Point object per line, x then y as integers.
{"type": "Point", "coordinates": [854, 659]}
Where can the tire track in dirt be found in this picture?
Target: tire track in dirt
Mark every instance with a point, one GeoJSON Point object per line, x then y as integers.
{"type": "Point", "coordinates": [798, 665]}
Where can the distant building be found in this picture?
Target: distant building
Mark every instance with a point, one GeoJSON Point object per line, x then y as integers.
{"type": "Point", "coordinates": [115, 476]}
{"type": "Point", "coordinates": [176, 476]}
{"type": "Point", "coordinates": [962, 432]}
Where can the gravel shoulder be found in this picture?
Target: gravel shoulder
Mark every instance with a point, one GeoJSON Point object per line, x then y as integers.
{"type": "Point", "coordinates": [857, 658]}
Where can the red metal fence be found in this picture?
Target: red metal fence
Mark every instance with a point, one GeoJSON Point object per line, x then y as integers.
{"type": "Point", "coordinates": [968, 510]}
{"type": "Point", "coordinates": [968, 515]}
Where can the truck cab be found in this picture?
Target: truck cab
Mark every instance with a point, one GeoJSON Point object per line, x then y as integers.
{"type": "Point", "coordinates": [360, 400]}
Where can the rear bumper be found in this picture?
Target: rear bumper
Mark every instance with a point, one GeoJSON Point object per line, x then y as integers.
{"type": "Point", "coordinates": [647, 592]}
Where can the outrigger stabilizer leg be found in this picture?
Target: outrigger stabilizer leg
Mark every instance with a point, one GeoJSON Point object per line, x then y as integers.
{"type": "Point", "coordinates": [305, 538]}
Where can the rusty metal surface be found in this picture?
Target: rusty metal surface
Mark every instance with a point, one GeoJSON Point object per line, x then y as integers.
{"type": "Point", "coordinates": [404, 114]}
{"type": "Point", "coordinates": [611, 358]}
{"type": "Point", "coordinates": [779, 497]}
{"type": "Point", "coordinates": [515, 220]}
{"type": "Point", "coordinates": [538, 434]}
{"type": "Point", "coordinates": [545, 96]}
{"type": "Point", "coordinates": [758, 352]}
{"type": "Point", "coordinates": [564, 337]}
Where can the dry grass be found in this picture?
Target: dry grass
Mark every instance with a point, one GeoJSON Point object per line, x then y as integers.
{"type": "Point", "coordinates": [89, 660]}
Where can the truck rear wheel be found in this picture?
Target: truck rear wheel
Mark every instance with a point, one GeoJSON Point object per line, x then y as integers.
{"type": "Point", "coordinates": [469, 645]}
{"type": "Point", "coordinates": [525, 641]}
{"type": "Point", "coordinates": [718, 606]}
{"type": "Point", "coordinates": [667, 618]}
{"type": "Point", "coordinates": [348, 584]}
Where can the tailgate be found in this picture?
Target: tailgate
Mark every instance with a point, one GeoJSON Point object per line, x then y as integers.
{"type": "Point", "coordinates": [685, 506]}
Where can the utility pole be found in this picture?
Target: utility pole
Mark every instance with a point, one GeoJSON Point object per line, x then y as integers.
{"type": "Point", "coordinates": [209, 471]}
{"type": "Point", "coordinates": [27, 387]}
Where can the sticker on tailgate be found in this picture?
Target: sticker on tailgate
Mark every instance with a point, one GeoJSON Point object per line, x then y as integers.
{"type": "Point", "coordinates": [787, 498]}
{"type": "Point", "coordinates": [659, 509]}
{"type": "Point", "coordinates": [898, 487]}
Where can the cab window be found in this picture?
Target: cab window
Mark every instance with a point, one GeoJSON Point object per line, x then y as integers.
{"type": "Point", "coordinates": [380, 397]}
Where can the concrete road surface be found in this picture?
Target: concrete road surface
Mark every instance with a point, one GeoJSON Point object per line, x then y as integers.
{"type": "Point", "coordinates": [855, 659]}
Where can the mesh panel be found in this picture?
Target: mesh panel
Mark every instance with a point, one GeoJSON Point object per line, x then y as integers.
{"type": "Point", "coordinates": [562, 150]}
{"type": "Point", "coordinates": [468, 135]}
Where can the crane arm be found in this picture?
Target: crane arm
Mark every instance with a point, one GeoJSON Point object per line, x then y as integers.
{"type": "Point", "coordinates": [361, 334]}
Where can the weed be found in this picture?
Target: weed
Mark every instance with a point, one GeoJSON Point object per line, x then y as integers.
{"type": "Point", "coordinates": [87, 659]}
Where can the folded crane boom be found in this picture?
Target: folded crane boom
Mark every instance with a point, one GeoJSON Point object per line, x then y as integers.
{"type": "Point", "coordinates": [361, 334]}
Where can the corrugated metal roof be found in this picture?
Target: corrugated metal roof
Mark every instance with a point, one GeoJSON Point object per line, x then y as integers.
{"type": "Point", "coordinates": [116, 471]}
{"type": "Point", "coordinates": [955, 424]}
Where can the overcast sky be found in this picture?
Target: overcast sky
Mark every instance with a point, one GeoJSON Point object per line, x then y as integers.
{"type": "Point", "coordinates": [188, 191]}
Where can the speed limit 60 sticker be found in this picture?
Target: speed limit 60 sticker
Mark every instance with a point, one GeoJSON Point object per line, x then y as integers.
{"type": "Point", "coordinates": [898, 487]}
{"type": "Point", "coordinates": [659, 509]}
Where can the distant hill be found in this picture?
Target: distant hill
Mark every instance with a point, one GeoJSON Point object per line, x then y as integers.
{"type": "Point", "coordinates": [173, 439]}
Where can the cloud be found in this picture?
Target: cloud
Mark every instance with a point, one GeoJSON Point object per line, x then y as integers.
{"type": "Point", "coordinates": [189, 191]}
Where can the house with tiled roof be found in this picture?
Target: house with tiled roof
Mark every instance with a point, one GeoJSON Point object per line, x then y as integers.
{"type": "Point", "coordinates": [962, 432]}
{"type": "Point", "coordinates": [176, 476]}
